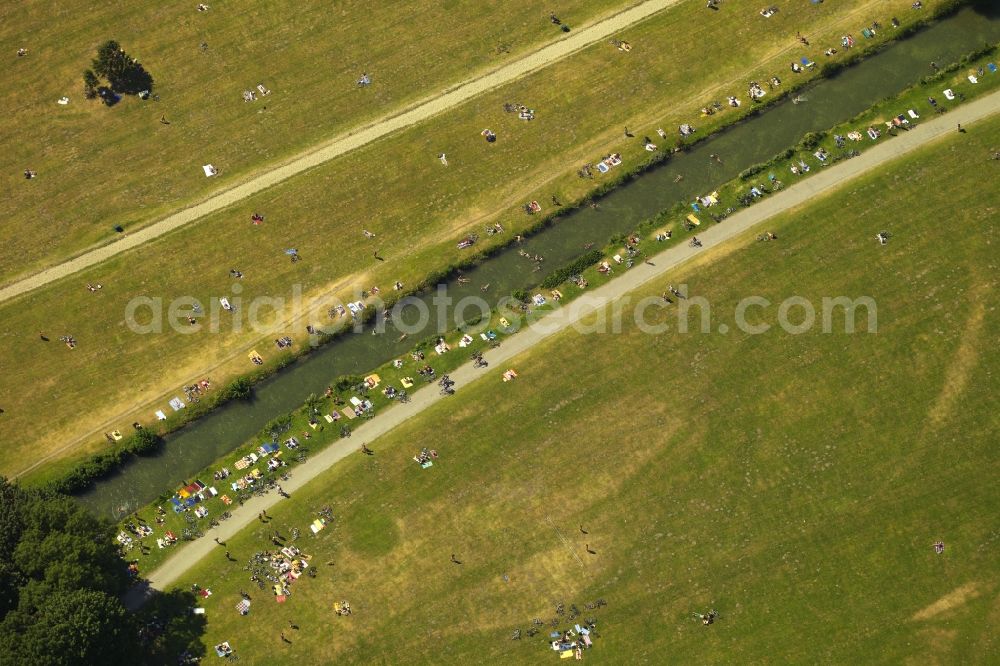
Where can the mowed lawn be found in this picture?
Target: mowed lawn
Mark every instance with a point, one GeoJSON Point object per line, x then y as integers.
{"type": "Point", "coordinates": [794, 483]}
{"type": "Point", "coordinates": [397, 189]}
{"type": "Point", "coordinates": [99, 167]}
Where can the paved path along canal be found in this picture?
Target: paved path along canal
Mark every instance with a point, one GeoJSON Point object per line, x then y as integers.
{"type": "Point", "coordinates": [821, 183]}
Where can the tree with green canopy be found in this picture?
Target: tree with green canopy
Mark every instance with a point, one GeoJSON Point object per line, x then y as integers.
{"type": "Point", "coordinates": [124, 73]}
{"type": "Point", "coordinates": [62, 581]}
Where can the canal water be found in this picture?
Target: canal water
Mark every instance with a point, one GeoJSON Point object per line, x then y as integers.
{"type": "Point", "coordinates": [827, 103]}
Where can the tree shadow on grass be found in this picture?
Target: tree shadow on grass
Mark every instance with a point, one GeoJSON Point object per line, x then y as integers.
{"type": "Point", "coordinates": [171, 629]}
{"type": "Point", "coordinates": [987, 8]}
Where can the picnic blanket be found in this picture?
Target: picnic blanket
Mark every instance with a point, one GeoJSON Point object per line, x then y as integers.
{"type": "Point", "coordinates": [177, 404]}
{"type": "Point", "coordinates": [209, 170]}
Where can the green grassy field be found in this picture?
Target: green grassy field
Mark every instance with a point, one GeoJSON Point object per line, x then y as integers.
{"type": "Point", "coordinates": [795, 483]}
{"type": "Point", "coordinates": [99, 167]}
{"type": "Point", "coordinates": [396, 189]}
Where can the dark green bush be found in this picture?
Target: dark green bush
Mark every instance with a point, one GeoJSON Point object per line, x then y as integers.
{"type": "Point", "coordinates": [752, 170]}
{"type": "Point", "coordinates": [810, 140]}
{"type": "Point", "coordinates": [560, 275]}
{"type": "Point", "coordinates": [239, 389]}
{"type": "Point", "coordinates": [347, 382]}
{"type": "Point", "coordinates": [143, 442]}
{"type": "Point", "coordinates": [278, 425]}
